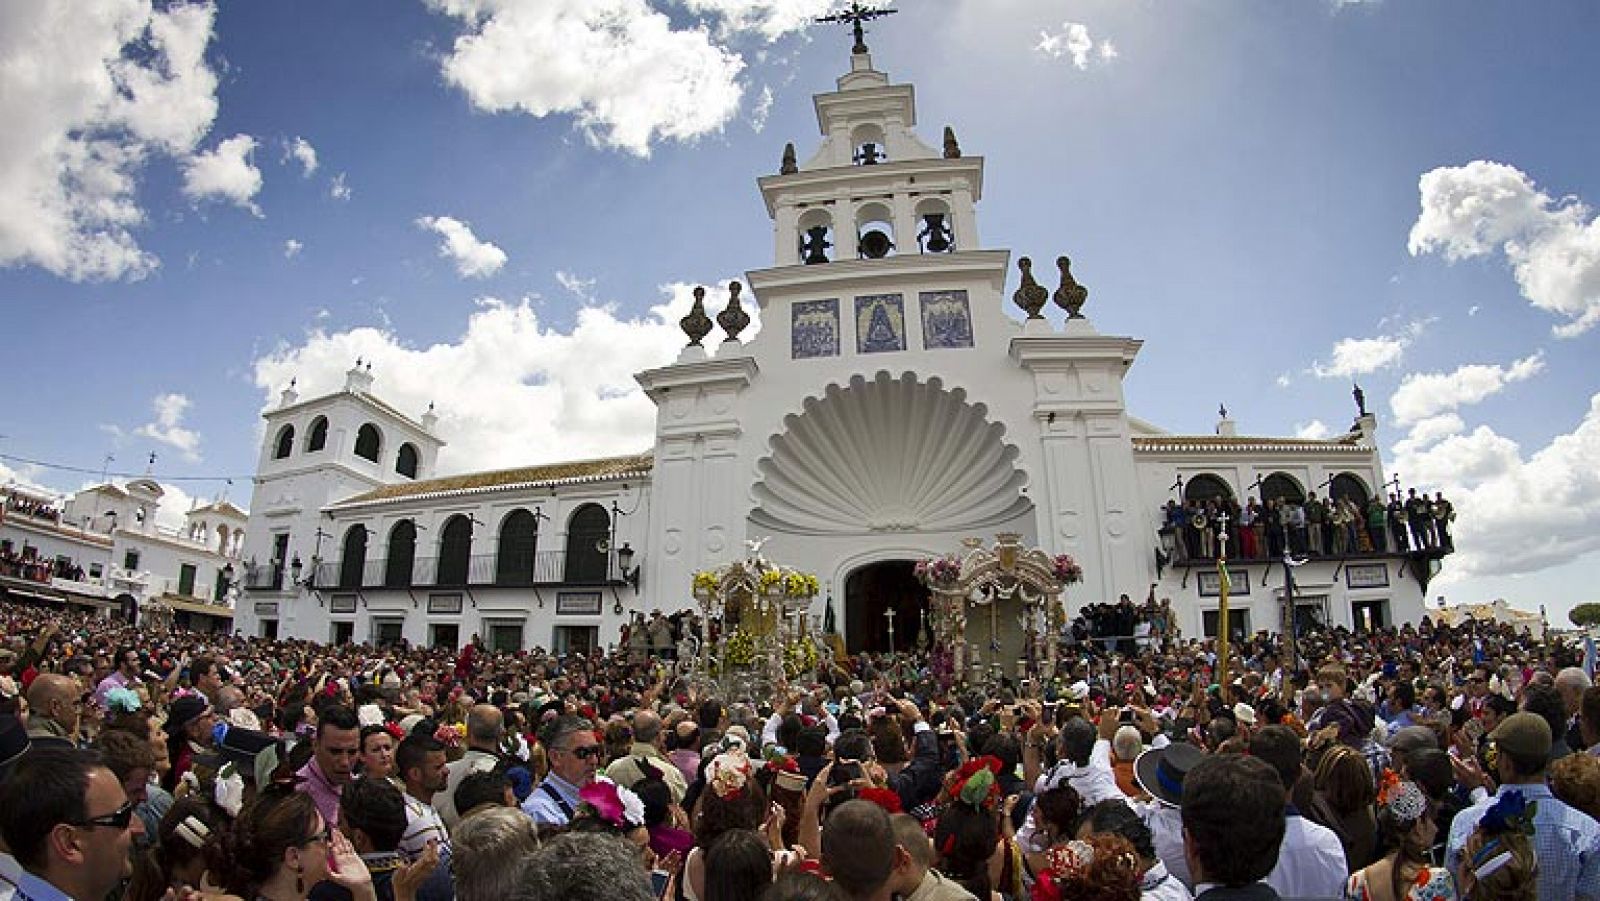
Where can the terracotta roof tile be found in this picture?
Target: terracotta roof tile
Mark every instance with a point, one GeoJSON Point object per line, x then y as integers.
{"type": "Point", "coordinates": [566, 473]}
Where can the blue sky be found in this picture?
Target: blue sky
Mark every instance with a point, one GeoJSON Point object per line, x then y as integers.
{"type": "Point", "coordinates": [1276, 195]}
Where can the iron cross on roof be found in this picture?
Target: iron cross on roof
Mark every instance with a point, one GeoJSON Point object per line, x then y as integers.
{"type": "Point", "coordinates": [855, 15]}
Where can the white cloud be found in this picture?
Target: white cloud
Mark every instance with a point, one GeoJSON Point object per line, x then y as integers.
{"type": "Point", "coordinates": [292, 248]}
{"type": "Point", "coordinates": [771, 19]}
{"type": "Point", "coordinates": [1425, 395]}
{"type": "Point", "coordinates": [761, 110]}
{"type": "Point", "coordinates": [1515, 513]}
{"type": "Point", "coordinates": [473, 258]}
{"type": "Point", "coordinates": [617, 66]}
{"type": "Point", "coordinates": [1553, 245]}
{"type": "Point", "coordinates": [1073, 41]}
{"type": "Point", "coordinates": [1315, 430]}
{"type": "Point", "coordinates": [337, 189]}
{"type": "Point", "coordinates": [168, 426]}
{"type": "Point", "coordinates": [1283, 380]}
{"type": "Point", "coordinates": [301, 151]}
{"type": "Point", "coordinates": [583, 287]}
{"type": "Point", "coordinates": [1359, 356]}
{"type": "Point", "coordinates": [227, 173]}
{"type": "Point", "coordinates": [89, 92]}
{"type": "Point", "coordinates": [573, 391]}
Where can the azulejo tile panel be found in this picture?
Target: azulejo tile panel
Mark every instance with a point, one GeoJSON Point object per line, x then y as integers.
{"type": "Point", "coordinates": [880, 323]}
{"type": "Point", "coordinates": [946, 319]}
{"type": "Point", "coordinates": [814, 329]}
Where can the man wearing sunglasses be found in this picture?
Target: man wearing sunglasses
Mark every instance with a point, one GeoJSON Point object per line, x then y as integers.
{"type": "Point", "coordinates": [575, 755]}
{"type": "Point", "coordinates": [69, 824]}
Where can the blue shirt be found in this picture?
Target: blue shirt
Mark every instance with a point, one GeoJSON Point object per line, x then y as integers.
{"type": "Point", "coordinates": [544, 808]}
{"type": "Point", "coordinates": [1566, 841]}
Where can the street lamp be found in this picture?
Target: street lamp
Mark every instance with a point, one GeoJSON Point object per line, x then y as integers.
{"type": "Point", "coordinates": [629, 572]}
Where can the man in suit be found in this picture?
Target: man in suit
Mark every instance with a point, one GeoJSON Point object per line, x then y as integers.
{"type": "Point", "coordinates": [1232, 826]}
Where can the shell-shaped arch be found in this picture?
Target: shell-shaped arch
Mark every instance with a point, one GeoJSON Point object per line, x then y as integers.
{"type": "Point", "coordinates": [888, 455]}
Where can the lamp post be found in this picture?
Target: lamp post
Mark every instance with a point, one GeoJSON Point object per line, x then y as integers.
{"type": "Point", "coordinates": [890, 615]}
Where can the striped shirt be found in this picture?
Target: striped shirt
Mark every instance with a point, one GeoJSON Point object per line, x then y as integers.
{"type": "Point", "coordinates": [423, 824]}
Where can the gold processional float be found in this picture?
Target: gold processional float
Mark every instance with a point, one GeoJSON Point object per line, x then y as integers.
{"type": "Point", "coordinates": [756, 631]}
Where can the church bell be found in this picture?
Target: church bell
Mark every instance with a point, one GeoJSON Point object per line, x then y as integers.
{"type": "Point", "coordinates": [875, 245]}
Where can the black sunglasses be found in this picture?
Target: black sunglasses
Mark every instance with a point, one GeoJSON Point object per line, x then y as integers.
{"type": "Point", "coordinates": [118, 820]}
{"type": "Point", "coordinates": [585, 753]}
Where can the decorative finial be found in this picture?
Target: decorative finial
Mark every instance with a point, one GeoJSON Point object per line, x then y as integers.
{"type": "Point", "coordinates": [1361, 398]}
{"type": "Point", "coordinates": [788, 167]}
{"type": "Point", "coordinates": [1071, 296]}
{"type": "Point", "coordinates": [952, 150]}
{"type": "Point", "coordinates": [358, 362]}
{"type": "Point", "coordinates": [293, 382]}
{"type": "Point", "coordinates": [1222, 410]}
{"type": "Point", "coordinates": [369, 365]}
{"type": "Point", "coordinates": [733, 318]}
{"type": "Point", "coordinates": [1031, 296]}
{"type": "Point", "coordinates": [430, 406]}
{"type": "Point", "coordinates": [697, 324]}
{"type": "Point", "coordinates": [854, 16]}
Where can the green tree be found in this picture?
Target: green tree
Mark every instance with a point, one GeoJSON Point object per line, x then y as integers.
{"type": "Point", "coordinates": [1585, 615]}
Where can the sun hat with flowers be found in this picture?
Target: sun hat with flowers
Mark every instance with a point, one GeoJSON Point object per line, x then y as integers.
{"type": "Point", "coordinates": [728, 774]}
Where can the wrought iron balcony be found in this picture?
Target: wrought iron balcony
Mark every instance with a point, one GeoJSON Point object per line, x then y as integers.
{"type": "Point", "coordinates": [476, 571]}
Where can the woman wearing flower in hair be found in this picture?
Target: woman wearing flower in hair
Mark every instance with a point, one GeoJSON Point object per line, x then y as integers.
{"type": "Point", "coordinates": [732, 799]}
{"type": "Point", "coordinates": [1498, 860]}
{"type": "Point", "coordinates": [1407, 827]}
{"type": "Point", "coordinates": [607, 807]}
{"type": "Point", "coordinates": [1100, 867]}
{"type": "Point", "coordinates": [969, 836]}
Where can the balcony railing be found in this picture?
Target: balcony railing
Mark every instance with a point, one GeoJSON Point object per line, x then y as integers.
{"type": "Point", "coordinates": [270, 577]}
{"type": "Point", "coordinates": [478, 570]}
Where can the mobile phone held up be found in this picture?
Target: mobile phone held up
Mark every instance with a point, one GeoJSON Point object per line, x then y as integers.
{"type": "Point", "coordinates": [658, 882]}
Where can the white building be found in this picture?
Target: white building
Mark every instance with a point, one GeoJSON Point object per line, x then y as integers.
{"type": "Point", "coordinates": [892, 406]}
{"type": "Point", "coordinates": [103, 549]}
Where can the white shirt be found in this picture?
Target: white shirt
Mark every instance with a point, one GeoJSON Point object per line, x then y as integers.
{"type": "Point", "coordinates": [423, 824]}
{"type": "Point", "coordinates": [1159, 885]}
{"type": "Point", "coordinates": [1311, 862]}
{"type": "Point", "coordinates": [1165, 823]}
{"type": "Point", "coordinates": [1093, 783]}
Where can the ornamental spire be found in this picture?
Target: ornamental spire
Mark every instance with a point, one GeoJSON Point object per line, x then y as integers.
{"type": "Point", "coordinates": [854, 16]}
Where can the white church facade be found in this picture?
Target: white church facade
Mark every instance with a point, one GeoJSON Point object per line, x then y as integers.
{"type": "Point", "coordinates": [894, 404]}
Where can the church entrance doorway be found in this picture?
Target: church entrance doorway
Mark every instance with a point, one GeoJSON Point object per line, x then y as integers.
{"type": "Point", "coordinates": [870, 593]}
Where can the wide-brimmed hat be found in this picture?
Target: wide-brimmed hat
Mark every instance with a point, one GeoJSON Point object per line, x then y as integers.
{"type": "Point", "coordinates": [1161, 772]}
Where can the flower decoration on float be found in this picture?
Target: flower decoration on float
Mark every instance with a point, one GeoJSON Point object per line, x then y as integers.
{"type": "Point", "coordinates": [1066, 570]}
{"type": "Point", "coordinates": [741, 648]}
{"type": "Point", "coordinates": [706, 583]}
{"type": "Point", "coordinates": [944, 570]}
{"type": "Point", "coordinates": [448, 735]}
{"type": "Point", "coordinates": [800, 656]}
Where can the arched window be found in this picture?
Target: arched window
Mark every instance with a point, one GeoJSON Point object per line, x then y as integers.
{"type": "Point", "coordinates": [368, 441]}
{"type": "Point", "coordinates": [406, 462]}
{"type": "Point", "coordinates": [222, 540]}
{"type": "Point", "coordinates": [318, 439]}
{"type": "Point", "coordinates": [588, 545]}
{"type": "Point", "coordinates": [353, 561]}
{"type": "Point", "coordinates": [1206, 487]}
{"type": "Point", "coordinates": [402, 555]}
{"type": "Point", "coordinates": [519, 540]}
{"type": "Point", "coordinates": [455, 551]}
{"type": "Point", "coordinates": [1349, 485]}
{"type": "Point", "coordinates": [870, 149]}
{"type": "Point", "coordinates": [285, 443]}
{"type": "Point", "coordinates": [1282, 486]}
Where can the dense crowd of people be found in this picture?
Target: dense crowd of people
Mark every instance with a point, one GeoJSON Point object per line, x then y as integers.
{"type": "Point", "coordinates": [1331, 526]}
{"type": "Point", "coordinates": [27, 506]}
{"type": "Point", "coordinates": [28, 564]}
{"type": "Point", "coordinates": [1418, 762]}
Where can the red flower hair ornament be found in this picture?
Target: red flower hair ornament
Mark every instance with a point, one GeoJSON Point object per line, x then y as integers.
{"type": "Point", "coordinates": [975, 783]}
{"type": "Point", "coordinates": [883, 797]}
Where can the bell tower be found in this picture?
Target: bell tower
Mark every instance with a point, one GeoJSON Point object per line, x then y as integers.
{"type": "Point", "coordinates": [873, 189]}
